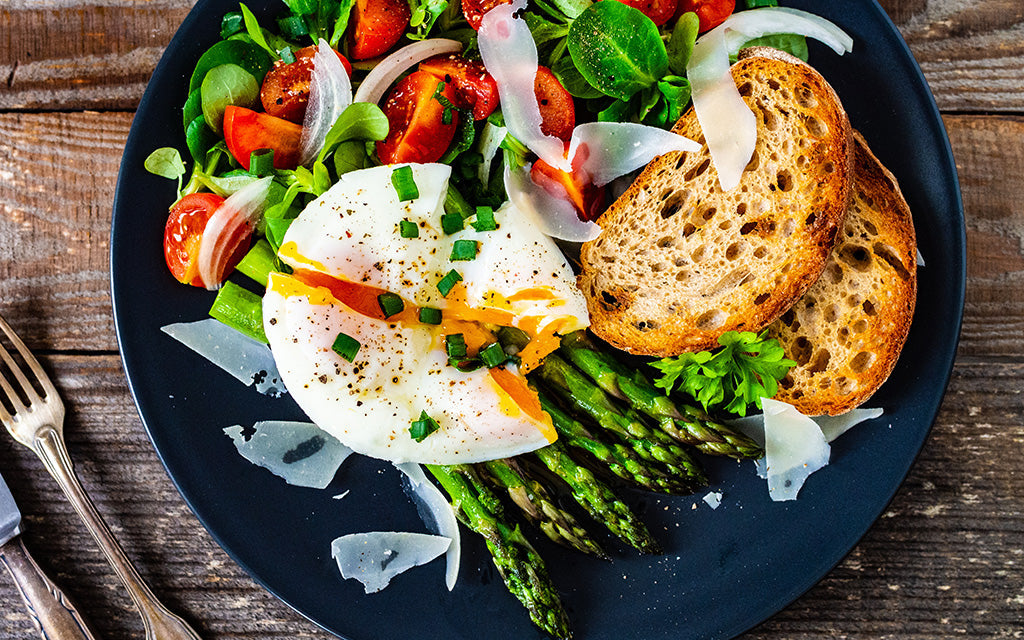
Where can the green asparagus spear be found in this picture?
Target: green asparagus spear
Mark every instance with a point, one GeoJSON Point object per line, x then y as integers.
{"type": "Point", "coordinates": [520, 566]}
{"type": "Point", "coordinates": [616, 457]}
{"type": "Point", "coordinates": [536, 503]}
{"type": "Point", "coordinates": [652, 444]}
{"type": "Point", "coordinates": [598, 499]}
{"type": "Point", "coordinates": [685, 423]}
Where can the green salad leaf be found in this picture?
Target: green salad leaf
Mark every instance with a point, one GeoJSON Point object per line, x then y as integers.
{"type": "Point", "coordinates": [617, 49]}
{"type": "Point", "coordinates": [239, 52]}
{"type": "Point", "coordinates": [224, 85]}
{"type": "Point", "coordinates": [680, 43]}
{"type": "Point", "coordinates": [166, 163]}
{"type": "Point", "coordinates": [746, 369]}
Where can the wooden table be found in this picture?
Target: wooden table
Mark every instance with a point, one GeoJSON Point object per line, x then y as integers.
{"type": "Point", "coordinates": [946, 560]}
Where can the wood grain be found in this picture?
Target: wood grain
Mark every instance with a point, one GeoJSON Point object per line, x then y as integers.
{"type": "Point", "coordinates": [98, 54]}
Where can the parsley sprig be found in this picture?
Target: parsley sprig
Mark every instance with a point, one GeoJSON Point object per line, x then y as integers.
{"type": "Point", "coordinates": [747, 368]}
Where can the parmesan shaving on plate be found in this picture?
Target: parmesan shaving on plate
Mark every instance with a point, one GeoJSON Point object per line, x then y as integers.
{"type": "Point", "coordinates": [713, 499]}
{"type": "Point", "coordinates": [249, 361]}
{"type": "Point", "coordinates": [376, 557]}
{"type": "Point", "coordinates": [300, 452]}
{"type": "Point", "coordinates": [441, 516]}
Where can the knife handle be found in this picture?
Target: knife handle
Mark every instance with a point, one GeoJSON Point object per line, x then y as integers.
{"type": "Point", "coordinates": [52, 613]}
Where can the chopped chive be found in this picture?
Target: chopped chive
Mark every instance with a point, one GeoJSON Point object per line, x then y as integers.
{"type": "Point", "coordinates": [430, 315]}
{"type": "Point", "coordinates": [240, 309]}
{"type": "Point", "coordinates": [448, 282]}
{"type": "Point", "coordinates": [455, 202]}
{"type": "Point", "coordinates": [287, 56]}
{"type": "Point", "coordinates": [390, 304]}
{"type": "Point", "coordinates": [452, 223]}
{"type": "Point", "coordinates": [493, 355]}
{"type": "Point", "coordinates": [408, 229]}
{"type": "Point", "coordinates": [455, 345]}
{"type": "Point", "coordinates": [346, 346]}
{"type": "Point", "coordinates": [485, 219]}
{"type": "Point", "coordinates": [292, 27]}
{"type": "Point", "coordinates": [465, 365]}
{"type": "Point", "coordinates": [231, 24]}
{"type": "Point", "coordinates": [464, 250]}
{"type": "Point", "coordinates": [404, 183]}
{"type": "Point", "coordinates": [423, 427]}
{"type": "Point", "coordinates": [261, 162]}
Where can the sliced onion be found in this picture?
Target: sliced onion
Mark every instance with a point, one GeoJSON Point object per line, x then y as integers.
{"type": "Point", "coordinates": [729, 127]}
{"type": "Point", "coordinates": [330, 91]}
{"type": "Point", "coordinates": [443, 514]}
{"type": "Point", "coordinates": [490, 141]}
{"type": "Point", "coordinates": [510, 56]}
{"type": "Point", "coordinates": [387, 71]}
{"type": "Point", "coordinates": [614, 149]}
{"type": "Point", "coordinates": [555, 217]}
{"type": "Point", "coordinates": [231, 224]}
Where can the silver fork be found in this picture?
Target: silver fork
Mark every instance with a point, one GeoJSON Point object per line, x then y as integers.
{"type": "Point", "coordinates": [39, 425]}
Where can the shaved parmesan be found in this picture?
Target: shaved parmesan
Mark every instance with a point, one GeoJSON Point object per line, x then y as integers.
{"type": "Point", "coordinates": [376, 557]}
{"type": "Point", "coordinates": [555, 217]}
{"type": "Point", "coordinates": [612, 149]}
{"type": "Point", "coordinates": [794, 449]}
{"type": "Point", "coordinates": [300, 452]}
{"type": "Point", "coordinates": [248, 360]}
{"type": "Point", "coordinates": [834, 426]}
{"type": "Point", "coordinates": [439, 516]}
{"type": "Point", "coordinates": [713, 499]}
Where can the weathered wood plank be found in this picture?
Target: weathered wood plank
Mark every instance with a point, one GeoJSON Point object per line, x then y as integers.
{"type": "Point", "coordinates": [943, 562]}
{"type": "Point", "coordinates": [55, 218]}
{"type": "Point", "coordinates": [98, 54]}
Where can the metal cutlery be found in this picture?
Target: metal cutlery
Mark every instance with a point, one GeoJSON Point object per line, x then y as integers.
{"type": "Point", "coordinates": [52, 613]}
{"type": "Point", "coordinates": [34, 415]}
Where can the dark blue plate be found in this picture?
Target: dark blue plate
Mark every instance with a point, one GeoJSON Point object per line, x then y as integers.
{"type": "Point", "coordinates": [723, 571]}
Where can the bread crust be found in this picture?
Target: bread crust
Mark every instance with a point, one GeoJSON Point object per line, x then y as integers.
{"type": "Point", "coordinates": [679, 262]}
{"type": "Point", "coordinates": [847, 332]}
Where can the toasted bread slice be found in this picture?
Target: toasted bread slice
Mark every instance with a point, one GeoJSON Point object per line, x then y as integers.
{"type": "Point", "coordinates": [679, 262]}
{"type": "Point", "coordinates": [849, 328]}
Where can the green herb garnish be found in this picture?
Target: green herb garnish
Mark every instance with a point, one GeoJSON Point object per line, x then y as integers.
{"type": "Point", "coordinates": [405, 184]}
{"type": "Point", "coordinates": [448, 282]}
{"type": "Point", "coordinates": [746, 369]}
{"type": "Point", "coordinates": [430, 315]}
{"type": "Point", "coordinates": [346, 346]}
{"type": "Point", "coordinates": [423, 427]}
{"type": "Point", "coordinates": [408, 229]}
{"type": "Point", "coordinates": [485, 219]}
{"type": "Point", "coordinates": [455, 345]}
{"type": "Point", "coordinates": [463, 250]}
{"type": "Point", "coordinates": [390, 304]}
{"type": "Point", "coordinates": [452, 223]}
{"type": "Point", "coordinates": [493, 355]}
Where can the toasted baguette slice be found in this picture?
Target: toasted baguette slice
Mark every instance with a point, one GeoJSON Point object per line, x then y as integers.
{"type": "Point", "coordinates": [679, 262]}
{"type": "Point", "coordinates": [849, 328]}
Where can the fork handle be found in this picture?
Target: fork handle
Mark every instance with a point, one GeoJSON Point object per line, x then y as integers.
{"type": "Point", "coordinates": [159, 622]}
{"type": "Point", "coordinates": [52, 613]}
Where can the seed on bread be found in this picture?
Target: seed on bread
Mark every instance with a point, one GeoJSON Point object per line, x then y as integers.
{"type": "Point", "coordinates": [679, 262]}
{"type": "Point", "coordinates": [847, 331]}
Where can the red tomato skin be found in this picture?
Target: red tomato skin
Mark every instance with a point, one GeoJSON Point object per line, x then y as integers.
{"type": "Point", "coordinates": [587, 198]}
{"type": "Point", "coordinates": [246, 130]}
{"type": "Point", "coordinates": [474, 10]}
{"type": "Point", "coordinates": [378, 25]}
{"type": "Point", "coordinates": [416, 131]}
{"type": "Point", "coordinates": [710, 12]}
{"type": "Point", "coordinates": [475, 88]}
{"type": "Point", "coordinates": [659, 11]}
{"type": "Point", "coordinates": [557, 110]}
{"type": "Point", "coordinates": [285, 90]}
{"type": "Point", "coordinates": [183, 233]}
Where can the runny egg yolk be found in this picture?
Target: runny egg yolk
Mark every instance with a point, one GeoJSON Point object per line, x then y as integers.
{"type": "Point", "coordinates": [474, 325]}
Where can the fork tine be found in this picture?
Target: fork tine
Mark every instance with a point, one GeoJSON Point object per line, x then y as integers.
{"type": "Point", "coordinates": [11, 396]}
{"type": "Point", "coordinates": [30, 360]}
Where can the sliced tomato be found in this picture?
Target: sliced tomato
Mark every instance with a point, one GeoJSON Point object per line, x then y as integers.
{"type": "Point", "coordinates": [285, 90]}
{"type": "Point", "coordinates": [246, 131]}
{"type": "Point", "coordinates": [475, 88]}
{"type": "Point", "coordinates": [710, 12]}
{"type": "Point", "coordinates": [417, 130]}
{"type": "Point", "coordinates": [659, 11]}
{"type": "Point", "coordinates": [184, 232]}
{"type": "Point", "coordinates": [557, 111]}
{"type": "Point", "coordinates": [378, 25]}
{"type": "Point", "coordinates": [474, 10]}
{"type": "Point", "coordinates": [574, 187]}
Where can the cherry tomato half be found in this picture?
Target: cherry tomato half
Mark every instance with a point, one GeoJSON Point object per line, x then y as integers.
{"type": "Point", "coordinates": [557, 111]}
{"type": "Point", "coordinates": [184, 232]}
{"type": "Point", "coordinates": [475, 88]}
{"type": "Point", "coordinates": [587, 198]}
{"type": "Point", "coordinates": [417, 130]}
{"type": "Point", "coordinates": [285, 89]}
{"type": "Point", "coordinates": [379, 24]}
{"type": "Point", "coordinates": [659, 11]}
{"type": "Point", "coordinates": [710, 12]}
{"type": "Point", "coordinates": [474, 10]}
{"type": "Point", "coordinates": [246, 131]}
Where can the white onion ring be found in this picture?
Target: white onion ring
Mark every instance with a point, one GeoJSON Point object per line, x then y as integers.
{"type": "Point", "coordinates": [729, 127]}
{"type": "Point", "coordinates": [387, 70]}
{"type": "Point", "coordinates": [235, 215]}
{"type": "Point", "coordinates": [330, 92]}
